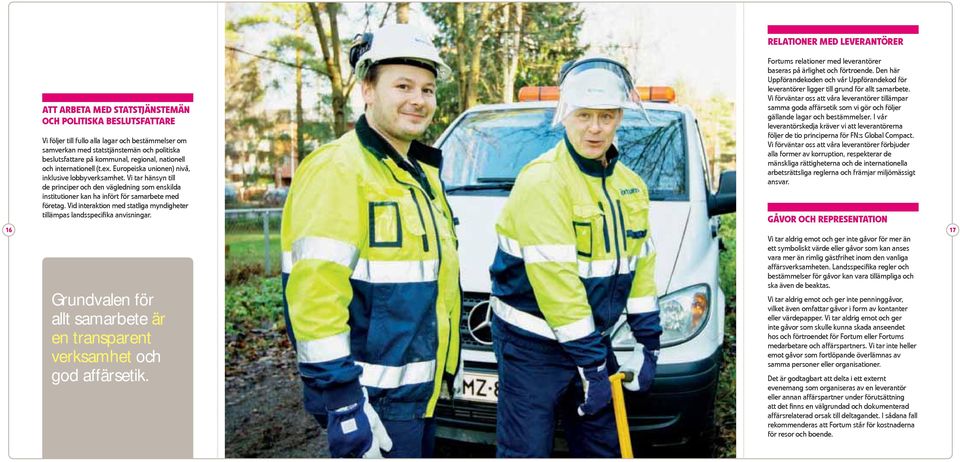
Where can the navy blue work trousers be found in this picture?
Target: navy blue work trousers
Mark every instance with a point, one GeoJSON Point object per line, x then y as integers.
{"type": "Point", "coordinates": [539, 384]}
{"type": "Point", "coordinates": [412, 439]}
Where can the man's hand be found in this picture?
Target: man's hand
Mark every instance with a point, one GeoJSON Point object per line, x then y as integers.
{"type": "Point", "coordinates": [643, 363]}
{"type": "Point", "coordinates": [454, 382]}
{"type": "Point", "coordinates": [356, 431]}
{"type": "Point", "coordinates": [596, 389]}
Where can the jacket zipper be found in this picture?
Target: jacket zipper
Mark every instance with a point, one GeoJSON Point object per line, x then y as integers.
{"type": "Point", "coordinates": [423, 224]}
{"type": "Point", "coordinates": [613, 215]}
{"type": "Point", "coordinates": [606, 237]}
{"type": "Point", "coordinates": [623, 226]}
{"type": "Point", "coordinates": [455, 322]}
{"type": "Point", "coordinates": [436, 234]}
{"type": "Point", "coordinates": [616, 240]}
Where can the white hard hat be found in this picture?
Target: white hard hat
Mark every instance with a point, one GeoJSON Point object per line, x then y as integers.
{"type": "Point", "coordinates": [396, 44]}
{"type": "Point", "coordinates": [594, 83]}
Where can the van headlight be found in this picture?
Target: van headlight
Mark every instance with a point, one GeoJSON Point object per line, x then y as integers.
{"type": "Point", "coordinates": [683, 313]}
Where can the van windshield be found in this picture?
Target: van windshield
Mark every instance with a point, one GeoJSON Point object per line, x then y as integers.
{"type": "Point", "coordinates": [486, 150]}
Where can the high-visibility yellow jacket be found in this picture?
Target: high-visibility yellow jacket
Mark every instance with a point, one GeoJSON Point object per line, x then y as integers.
{"type": "Point", "coordinates": [574, 252]}
{"type": "Point", "coordinates": [371, 276]}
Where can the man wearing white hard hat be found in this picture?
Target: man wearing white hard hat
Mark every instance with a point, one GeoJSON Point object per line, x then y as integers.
{"type": "Point", "coordinates": [574, 254]}
{"type": "Point", "coordinates": [370, 268]}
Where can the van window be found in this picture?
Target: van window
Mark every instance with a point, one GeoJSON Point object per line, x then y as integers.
{"type": "Point", "coordinates": [488, 148]}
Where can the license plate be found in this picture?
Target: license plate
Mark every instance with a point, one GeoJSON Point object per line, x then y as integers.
{"type": "Point", "coordinates": [480, 387]}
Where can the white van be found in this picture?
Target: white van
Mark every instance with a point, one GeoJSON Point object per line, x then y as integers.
{"type": "Point", "coordinates": [484, 150]}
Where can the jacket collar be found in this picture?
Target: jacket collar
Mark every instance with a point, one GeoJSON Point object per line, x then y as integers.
{"type": "Point", "coordinates": [590, 166]}
{"type": "Point", "coordinates": [382, 149]}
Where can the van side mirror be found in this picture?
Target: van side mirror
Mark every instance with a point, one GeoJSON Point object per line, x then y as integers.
{"type": "Point", "coordinates": [725, 199]}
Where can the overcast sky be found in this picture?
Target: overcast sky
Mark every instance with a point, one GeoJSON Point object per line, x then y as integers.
{"type": "Point", "coordinates": [693, 42]}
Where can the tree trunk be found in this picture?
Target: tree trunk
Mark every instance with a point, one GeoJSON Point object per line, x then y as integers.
{"type": "Point", "coordinates": [506, 88]}
{"type": "Point", "coordinates": [461, 39]}
{"type": "Point", "coordinates": [331, 58]}
{"type": "Point", "coordinates": [403, 12]}
{"type": "Point", "coordinates": [511, 53]}
{"type": "Point", "coordinates": [299, 84]}
{"type": "Point", "coordinates": [514, 49]}
{"type": "Point", "coordinates": [473, 85]}
{"type": "Point", "coordinates": [339, 97]}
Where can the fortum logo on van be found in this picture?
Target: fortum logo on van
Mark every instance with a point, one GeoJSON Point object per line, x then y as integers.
{"type": "Point", "coordinates": [484, 150]}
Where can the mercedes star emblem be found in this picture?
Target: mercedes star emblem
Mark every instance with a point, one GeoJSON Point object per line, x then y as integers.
{"type": "Point", "coordinates": [478, 323]}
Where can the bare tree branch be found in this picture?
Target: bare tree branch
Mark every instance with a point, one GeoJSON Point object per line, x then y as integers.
{"type": "Point", "coordinates": [276, 60]}
{"type": "Point", "coordinates": [386, 13]}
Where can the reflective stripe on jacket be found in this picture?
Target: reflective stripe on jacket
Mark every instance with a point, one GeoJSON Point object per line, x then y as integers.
{"type": "Point", "coordinates": [574, 253]}
{"type": "Point", "coordinates": [371, 276]}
